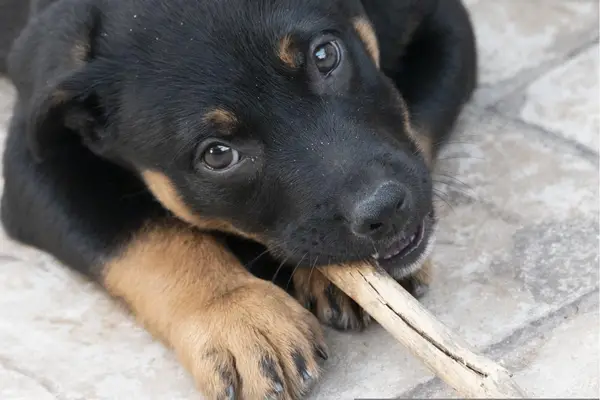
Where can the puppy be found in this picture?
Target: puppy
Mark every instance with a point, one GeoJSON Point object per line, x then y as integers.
{"type": "Point", "coordinates": [182, 153]}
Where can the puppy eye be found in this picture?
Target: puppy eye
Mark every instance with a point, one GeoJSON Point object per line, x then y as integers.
{"type": "Point", "coordinates": [219, 156]}
{"type": "Point", "coordinates": [327, 56]}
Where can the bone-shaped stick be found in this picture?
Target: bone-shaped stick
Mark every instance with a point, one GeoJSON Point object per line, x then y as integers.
{"type": "Point", "coordinates": [448, 356]}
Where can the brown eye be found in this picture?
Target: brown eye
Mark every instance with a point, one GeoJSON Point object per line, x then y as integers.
{"type": "Point", "coordinates": [327, 57]}
{"type": "Point", "coordinates": [220, 156]}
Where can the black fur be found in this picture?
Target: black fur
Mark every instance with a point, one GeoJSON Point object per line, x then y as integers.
{"type": "Point", "coordinates": [313, 149]}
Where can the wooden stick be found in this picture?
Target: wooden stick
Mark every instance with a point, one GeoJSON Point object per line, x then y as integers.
{"type": "Point", "coordinates": [448, 356]}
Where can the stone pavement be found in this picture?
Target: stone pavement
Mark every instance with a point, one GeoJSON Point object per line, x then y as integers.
{"type": "Point", "coordinates": [517, 258]}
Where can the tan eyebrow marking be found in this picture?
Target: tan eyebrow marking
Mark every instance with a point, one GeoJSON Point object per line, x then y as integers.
{"type": "Point", "coordinates": [287, 52]}
{"type": "Point", "coordinates": [224, 120]}
{"type": "Point", "coordinates": [367, 35]}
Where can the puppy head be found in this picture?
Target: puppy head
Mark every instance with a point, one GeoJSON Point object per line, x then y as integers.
{"type": "Point", "coordinates": [270, 119]}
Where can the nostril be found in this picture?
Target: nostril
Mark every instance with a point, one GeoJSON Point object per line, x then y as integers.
{"type": "Point", "coordinates": [400, 204]}
{"type": "Point", "coordinates": [376, 226]}
{"type": "Point", "coordinates": [402, 201]}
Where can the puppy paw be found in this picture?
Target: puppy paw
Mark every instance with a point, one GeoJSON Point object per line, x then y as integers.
{"type": "Point", "coordinates": [254, 342]}
{"type": "Point", "coordinates": [418, 283]}
{"type": "Point", "coordinates": [332, 306]}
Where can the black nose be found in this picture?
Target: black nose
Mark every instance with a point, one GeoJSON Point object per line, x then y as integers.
{"type": "Point", "coordinates": [374, 214]}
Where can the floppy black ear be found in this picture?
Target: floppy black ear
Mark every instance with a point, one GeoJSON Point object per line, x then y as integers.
{"type": "Point", "coordinates": [52, 66]}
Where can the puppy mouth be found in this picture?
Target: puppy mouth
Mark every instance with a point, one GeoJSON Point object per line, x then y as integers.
{"type": "Point", "coordinates": [401, 247]}
{"type": "Point", "coordinates": [406, 250]}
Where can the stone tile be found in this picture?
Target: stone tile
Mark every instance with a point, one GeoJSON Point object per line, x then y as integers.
{"type": "Point", "coordinates": [522, 171]}
{"type": "Point", "coordinates": [523, 240]}
{"type": "Point", "coordinates": [16, 385]}
{"type": "Point", "coordinates": [518, 38]}
{"type": "Point", "coordinates": [496, 276]}
{"type": "Point", "coordinates": [554, 359]}
{"type": "Point", "coordinates": [564, 101]}
{"type": "Point", "coordinates": [367, 365]}
{"type": "Point", "coordinates": [61, 334]}
{"type": "Point", "coordinates": [519, 242]}
{"type": "Point", "coordinates": [563, 363]}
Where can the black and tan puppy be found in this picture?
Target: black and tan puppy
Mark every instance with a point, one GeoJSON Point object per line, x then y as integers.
{"type": "Point", "coordinates": [160, 147]}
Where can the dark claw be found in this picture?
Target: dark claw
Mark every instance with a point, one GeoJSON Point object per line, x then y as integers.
{"type": "Point", "coordinates": [230, 393]}
{"type": "Point", "coordinates": [306, 376]}
{"type": "Point", "coordinates": [269, 370]}
{"type": "Point", "coordinates": [309, 303]}
{"type": "Point", "coordinates": [276, 394]}
{"type": "Point", "coordinates": [278, 387]}
{"type": "Point", "coordinates": [321, 352]}
{"type": "Point", "coordinates": [300, 362]}
{"type": "Point", "coordinates": [330, 292]}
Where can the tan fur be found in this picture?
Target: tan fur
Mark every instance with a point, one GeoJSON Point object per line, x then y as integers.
{"type": "Point", "coordinates": [220, 320]}
{"type": "Point", "coordinates": [425, 274]}
{"type": "Point", "coordinates": [80, 53]}
{"type": "Point", "coordinates": [310, 284]}
{"type": "Point", "coordinates": [286, 52]}
{"type": "Point", "coordinates": [225, 121]}
{"type": "Point", "coordinates": [163, 189]}
{"type": "Point", "coordinates": [311, 288]}
{"type": "Point", "coordinates": [367, 34]}
{"type": "Point", "coordinates": [424, 144]}
{"type": "Point", "coordinates": [418, 135]}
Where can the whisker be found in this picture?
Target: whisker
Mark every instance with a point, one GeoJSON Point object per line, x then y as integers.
{"type": "Point", "coordinates": [374, 248]}
{"type": "Point", "coordinates": [294, 271]}
{"type": "Point", "coordinates": [312, 269]}
{"type": "Point", "coordinates": [455, 179]}
{"type": "Point", "coordinates": [451, 142]}
{"type": "Point", "coordinates": [460, 157]}
{"type": "Point", "coordinates": [281, 266]}
{"type": "Point", "coordinates": [445, 243]}
{"type": "Point", "coordinates": [442, 197]}
{"type": "Point", "coordinates": [455, 184]}
{"type": "Point", "coordinates": [441, 194]}
{"type": "Point", "coordinates": [463, 192]}
{"type": "Point", "coordinates": [468, 194]}
{"type": "Point", "coordinates": [249, 265]}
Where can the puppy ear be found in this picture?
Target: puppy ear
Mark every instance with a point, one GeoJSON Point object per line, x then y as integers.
{"type": "Point", "coordinates": [52, 67]}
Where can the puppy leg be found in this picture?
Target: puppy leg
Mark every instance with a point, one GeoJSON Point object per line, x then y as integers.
{"type": "Point", "coordinates": [239, 336]}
